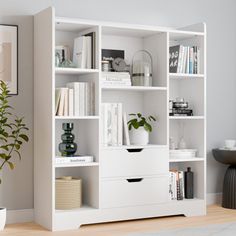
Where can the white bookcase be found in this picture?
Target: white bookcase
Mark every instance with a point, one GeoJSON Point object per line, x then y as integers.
{"type": "Point", "coordinates": [107, 195]}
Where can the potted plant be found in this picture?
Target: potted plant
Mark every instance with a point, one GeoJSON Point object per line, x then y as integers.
{"type": "Point", "coordinates": [12, 137]}
{"type": "Point", "coordinates": [140, 127]}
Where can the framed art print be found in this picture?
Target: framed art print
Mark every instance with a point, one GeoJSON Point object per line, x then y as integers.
{"type": "Point", "coordinates": [9, 56]}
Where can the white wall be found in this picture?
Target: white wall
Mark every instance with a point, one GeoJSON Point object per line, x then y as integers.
{"type": "Point", "coordinates": [17, 189]}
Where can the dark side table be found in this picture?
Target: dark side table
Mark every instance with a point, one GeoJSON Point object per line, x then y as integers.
{"type": "Point", "coordinates": [228, 157]}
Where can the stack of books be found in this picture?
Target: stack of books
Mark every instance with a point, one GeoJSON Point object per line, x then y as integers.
{"type": "Point", "coordinates": [112, 130]}
{"type": "Point", "coordinates": [176, 185]}
{"type": "Point", "coordinates": [84, 51]}
{"type": "Point", "coordinates": [179, 108]}
{"type": "Point", "coordinates": [184, 59]}
{"type": "Point", "coordinates": [115, 79]}
{"type": "Point", "coordinates": [77, 99]}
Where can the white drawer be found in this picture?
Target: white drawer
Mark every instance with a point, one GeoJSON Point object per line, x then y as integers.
{"type": "Point", "coordinates": [123, 192]}
{"type": "Point", "coordinates": [122, 162]}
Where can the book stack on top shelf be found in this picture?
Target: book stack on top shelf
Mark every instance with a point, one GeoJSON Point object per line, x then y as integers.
{"type": "Point", "coordinates": [77, 99]}
{"type": "Point", "coordinates": [184, 59]}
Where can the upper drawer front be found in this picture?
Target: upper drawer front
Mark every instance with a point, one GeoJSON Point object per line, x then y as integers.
{"type": "Point", "coordinates": [134, 192]}
{"type": "Point", "coordinates": [148, 161]}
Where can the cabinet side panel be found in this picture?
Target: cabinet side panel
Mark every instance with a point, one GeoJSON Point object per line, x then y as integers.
{"type": "Point", "coordinates": [43, 111]}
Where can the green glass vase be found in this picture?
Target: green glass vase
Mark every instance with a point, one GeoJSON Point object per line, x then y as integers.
{"type": "Point", "coordinates": [67, 147]}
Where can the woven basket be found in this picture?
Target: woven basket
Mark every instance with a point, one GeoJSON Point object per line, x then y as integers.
{"type": "Point", "coordinates": [68, 193]}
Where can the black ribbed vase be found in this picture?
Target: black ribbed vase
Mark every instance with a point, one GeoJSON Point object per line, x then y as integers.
{"type": "Point", "coordinates": [229, 188]}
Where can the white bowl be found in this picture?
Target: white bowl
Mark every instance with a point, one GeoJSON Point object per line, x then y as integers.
{"type": "Point", "coordinates": [230, 143]}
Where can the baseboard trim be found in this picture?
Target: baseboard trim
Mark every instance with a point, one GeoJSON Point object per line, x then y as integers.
{"type": "Point", "coordinates": [20, 216]}
{"type": "Point", "coordinates": [27, 215]}
{"type": "Point", "coordinates": [214, 198]}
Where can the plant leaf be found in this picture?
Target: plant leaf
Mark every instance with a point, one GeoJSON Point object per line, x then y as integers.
{"type": "Point", "coordinates": [24, 137]}
{"type": "Point", "coordinates": [11, 165]}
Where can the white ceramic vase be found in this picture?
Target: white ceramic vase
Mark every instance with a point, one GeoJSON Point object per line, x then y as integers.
{"type": "Point", "coordinates": [2, 218]}
{"type": "Point", "coordinates": [139, 136]}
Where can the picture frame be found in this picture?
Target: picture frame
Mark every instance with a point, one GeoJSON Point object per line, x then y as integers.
{"type": "Point", "coordinates": [9, 56]}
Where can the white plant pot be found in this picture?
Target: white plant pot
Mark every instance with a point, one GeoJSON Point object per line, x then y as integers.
{"type": "Point", "coordinates": [139, 136]}
{"type": "Point", "coordinates": [2, 218]}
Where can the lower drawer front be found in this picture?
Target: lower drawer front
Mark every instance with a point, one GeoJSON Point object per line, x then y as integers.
{"type": "Point", "coordinates": [133, 192]}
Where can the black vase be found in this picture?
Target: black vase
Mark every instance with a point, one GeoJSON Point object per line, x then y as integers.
{"type": "Point", "coordinates": [188, 183]}
{"type": "Point", "coordinates": [67, 147]}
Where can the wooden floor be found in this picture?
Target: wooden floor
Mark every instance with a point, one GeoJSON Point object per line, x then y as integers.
{"type": "Point", "coordinates": [215, 215]}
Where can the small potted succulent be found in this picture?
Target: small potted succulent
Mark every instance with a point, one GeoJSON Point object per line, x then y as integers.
{"type": "Point", "coordinates": [12, 136]}
{"type": "Point", "coordinates": [140, 127]}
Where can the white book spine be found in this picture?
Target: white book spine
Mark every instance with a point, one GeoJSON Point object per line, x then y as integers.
{"type": "Point", "coordinates": [114, 114]}
{"type": "Point", "coordinates": [88, 52]}
{"type": "Point", "coordinates": [187, 61]}
{"type": "Point", "coordinates": [126, 131]}
{"type": "Point", "coordinates": [81, 99]}
{"type": "Point", "coordinates": [57, 99]}
{"type": "Point", "coordinates": [92, 99]}
{"type": "Point", "coordinates": [75, 86]}
{"type": "Point", "coordinates": [191, 61]}
{"type": "Point", "coordinates": [179, 69]}
{"type": "Point", "coordinates": [120, 128]}
{"type": "Point", "coordinates": [109, 124]}
{"type": "Point", "coordinates": [79, 55]}
{"type": "Point", "coordinates": [61, 103]}
{"type": "Point", "coordinates": [71, 102]}
{"type": "Point", "coordinates": [198, 60]}
{"type": "Point", "coordinates": [66, 103]}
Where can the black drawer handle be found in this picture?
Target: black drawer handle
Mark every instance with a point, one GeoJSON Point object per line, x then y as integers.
{"type": "Point", "coordinates": [134, 180]}
{"type": "Point", "coordinates": [134, 149]}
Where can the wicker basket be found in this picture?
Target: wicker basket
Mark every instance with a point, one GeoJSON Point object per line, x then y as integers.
{"type": "Point", "coordinates": [68, 193]}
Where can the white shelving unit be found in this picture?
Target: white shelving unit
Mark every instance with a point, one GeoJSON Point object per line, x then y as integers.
{"type": "Point", "coordinates": [107, 193]}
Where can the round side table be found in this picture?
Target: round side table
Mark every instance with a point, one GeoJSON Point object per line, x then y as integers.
{"type": "Point", "coordinates": [228, 157]}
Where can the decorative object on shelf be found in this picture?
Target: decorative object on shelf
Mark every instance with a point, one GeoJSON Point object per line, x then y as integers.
{"type": "Point", "coordinates": [112, 134]}
{"type": "Point", "coordinates": [111, 54]}
{"type": "Point", "coordinates": [9, 57]}
{"type": "Point", "coordinates": [105, 66]}
{"type": "Point", "coordinates": [182, 153]}
{"type": "Point", "coordinates": [182, 143]}
{"type": "Point", "coordinates": [12, 137]}
{"type": "Point", "coordinates": [142, 68]}
{"type": "Point", "coordinates": [68, 193]}
{"type": "Point", "coordinates": [63, 57]}
{"type": "Point", "coordinates": [179, 108]}
{"type": "Point", "coordinates": [188, 184]}
{"type": "Point", "coordinates": [119, 65]}
{"type": "Point", "coordinates": [67, 147]}
{"type": "Point", "coordinates": [172, 143]}
{"type": "Point", "coordinates": [140, 127]}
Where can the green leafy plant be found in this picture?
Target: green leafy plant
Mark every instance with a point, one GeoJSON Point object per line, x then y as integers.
{"type": "Point", "coordinates": [138, 120]}
{"type": "Point", "coordinates": [12, 130]}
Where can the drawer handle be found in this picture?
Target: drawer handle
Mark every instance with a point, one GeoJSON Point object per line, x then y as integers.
{"type": "Point", "coordinates": [134, 180]}
{"type": "Point", "coordinates": [134, 149]}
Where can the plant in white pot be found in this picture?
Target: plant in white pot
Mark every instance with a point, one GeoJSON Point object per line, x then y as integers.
{"type": "Point", "coordinates": [12, 137]}
{"type": "Point", "coordinates": [140, 127]}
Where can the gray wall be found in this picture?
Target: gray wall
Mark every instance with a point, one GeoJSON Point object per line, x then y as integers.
{"type": "Point", "coordinates": [17, 188]}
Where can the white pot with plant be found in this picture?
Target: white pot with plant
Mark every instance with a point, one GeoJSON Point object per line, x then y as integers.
{"type": "Point", "coordinates": [12, 136]}
{"type": "Point", "coordinates": [139, 128]}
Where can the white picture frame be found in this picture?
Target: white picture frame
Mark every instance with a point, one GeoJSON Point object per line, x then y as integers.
{"type": "Point", "coordinates": [9, 56]}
